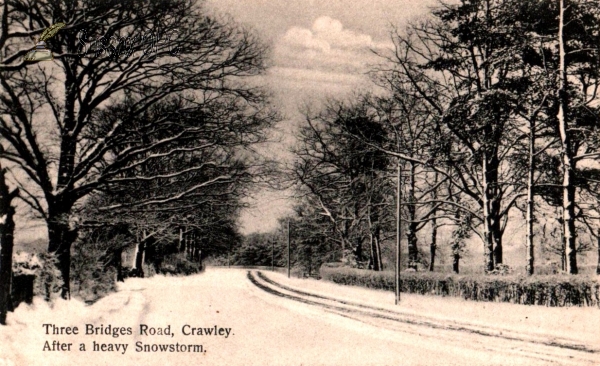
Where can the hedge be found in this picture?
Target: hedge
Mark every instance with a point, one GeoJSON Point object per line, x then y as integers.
{"type": "Point", "coordinates": [548, 290]}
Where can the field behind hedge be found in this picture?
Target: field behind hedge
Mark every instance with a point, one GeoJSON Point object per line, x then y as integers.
{"type": "Point", "coordinates": [548, 290]}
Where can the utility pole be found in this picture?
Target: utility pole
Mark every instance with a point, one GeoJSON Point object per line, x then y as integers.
{"type": "Point", "coordinates": [398, 232]}
{"type": "Point", "coordinates": [288, 248]}
{"type": "Point", "coordinates": [273, 255]}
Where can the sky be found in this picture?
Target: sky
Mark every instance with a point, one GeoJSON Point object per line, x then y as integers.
{"type": "Point", "coordinates": [319, 49]}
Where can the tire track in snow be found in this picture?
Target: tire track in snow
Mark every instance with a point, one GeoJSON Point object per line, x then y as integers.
{"type": "Point", "coordinates": [552, 349]}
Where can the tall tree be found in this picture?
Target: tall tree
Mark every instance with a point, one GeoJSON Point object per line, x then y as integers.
{"type": "Point", "coordinates": [572, 38]}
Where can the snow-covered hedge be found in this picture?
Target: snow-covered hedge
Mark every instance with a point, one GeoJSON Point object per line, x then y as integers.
{"type": "Point", "coordinates": [43, 266]}
{"type": "Point", "coordinates": [179, 264]}
{"type": "Point", "coordinates": [548, 290]}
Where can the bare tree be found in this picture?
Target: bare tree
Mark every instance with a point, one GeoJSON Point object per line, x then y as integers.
{"type": "Point", "coordinates": [343, 177]}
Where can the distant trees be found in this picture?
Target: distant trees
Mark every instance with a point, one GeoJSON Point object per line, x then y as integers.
{"type": "Point", "coordinates": [260, 249]}
{"type": "Point", "coordinates": [187, 190]}
{"type": "Point", "coordinates": [343, 179]}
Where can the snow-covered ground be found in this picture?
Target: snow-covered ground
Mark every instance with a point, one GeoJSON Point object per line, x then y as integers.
{"type": "Point", "coordinates": [263, 329]}
{"type": "Point", "coordinates": [577, 323]}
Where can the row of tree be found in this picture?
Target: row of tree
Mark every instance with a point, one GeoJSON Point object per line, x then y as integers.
{"type": "Point", "coordinates": [488, 107]}
{"type": "Point", "coordinates": [141, 148]}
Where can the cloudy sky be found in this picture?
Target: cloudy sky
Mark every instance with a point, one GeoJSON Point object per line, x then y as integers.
{"type": "Point", "coordinates": [319, 49]}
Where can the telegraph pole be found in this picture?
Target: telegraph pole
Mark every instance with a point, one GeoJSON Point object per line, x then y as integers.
{"type": "Point", "coordinates": [288, 248]}
{"type": "Point", "coordinates": [398, 232]}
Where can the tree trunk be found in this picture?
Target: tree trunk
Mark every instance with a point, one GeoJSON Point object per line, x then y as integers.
{"type": "Point", "coordinates": [497, 234]}
{"type": "Point", "coordinates": [491, 211]}
{"type": "Point", "coordinates": [497, 238]}
{"type": "Point", "coordinates": [413, 251]}
{"type": "Point", "coordinates": [371, 247]}
{"type": "Point", "coordinates": [411, 234]}
{"type": "Point", "coordinates": [598, 244]}
{"type": "Point", "coordinates": [119, 264]}
{"type": "Point", "coordinates": [563, 257]}
{"type": "Point", "coordinates": [397, 279]}
{"type": "Point", "coordinates": [60, 239]}
{"type": "Point", "coordinates": [138, 258]}
{"type": "Point", "coordinates": [346, 240]}
{"type": "Point", "coordinates": [60, 236]}
{"type": "Point", "coordinates": [7, 227]}
{"type": "Point", "coordinates": [568, 164]}
{"type": "Point", "coordinates": [196, 248]}
{"type": "Point", "coordinates": [191, 246]}
{"type": "Point", "coordinates": [530, 201]}
{"type": "Point", "coordinates": [181, 242]}
{"type": "Point", "coordinates": [358, 250]}
{"type": "Point", "coordinates": [569, 226]}
{"type": "Point", "coordinates": [135, 252]}
{"type": "Point", "coordinates": [488, 245]}
{"type": "Point", "coordinates": [375, 235]}
{"type": "Point", "coordinates": [187, 237]}
{"type": "Point", "coordinates": [455, 262]}
{"type": "Point", "coordinates": [358, 247]}
{"type": "Point", "coordinates": [377, 265]}
{"type": "Point", "coordinates": [433, 244]}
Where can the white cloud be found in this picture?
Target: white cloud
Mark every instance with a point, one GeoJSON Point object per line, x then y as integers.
{"type": "Point", "coordinates": [332, 31]}
{"type": "Point", "coordinates": [304, 38]}
{"type": "Point", "coordinates": [326, 46]}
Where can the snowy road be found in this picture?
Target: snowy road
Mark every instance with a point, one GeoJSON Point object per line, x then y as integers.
{"type": "Point", "coordinates": [267, 321]}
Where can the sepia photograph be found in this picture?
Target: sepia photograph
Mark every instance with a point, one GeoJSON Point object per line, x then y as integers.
{"type": "Point", "coordinates": [299, 182]}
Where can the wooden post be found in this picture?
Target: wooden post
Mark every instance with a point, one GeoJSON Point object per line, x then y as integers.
{"type": "Point", "coordinates": [181, 243]}
{"type": "Point", "coordinates": [288, 249]}
{"type": "Point", "coordinates": [119, 264]}
{"type": "Point", "coordinates": [598, 245]}
{"type": "Point", "coordinates": [272, 255]}
{"type": "Point", "coordinates": [530, 202]}
{"type": "Point", "coordinates": [398, 232]}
